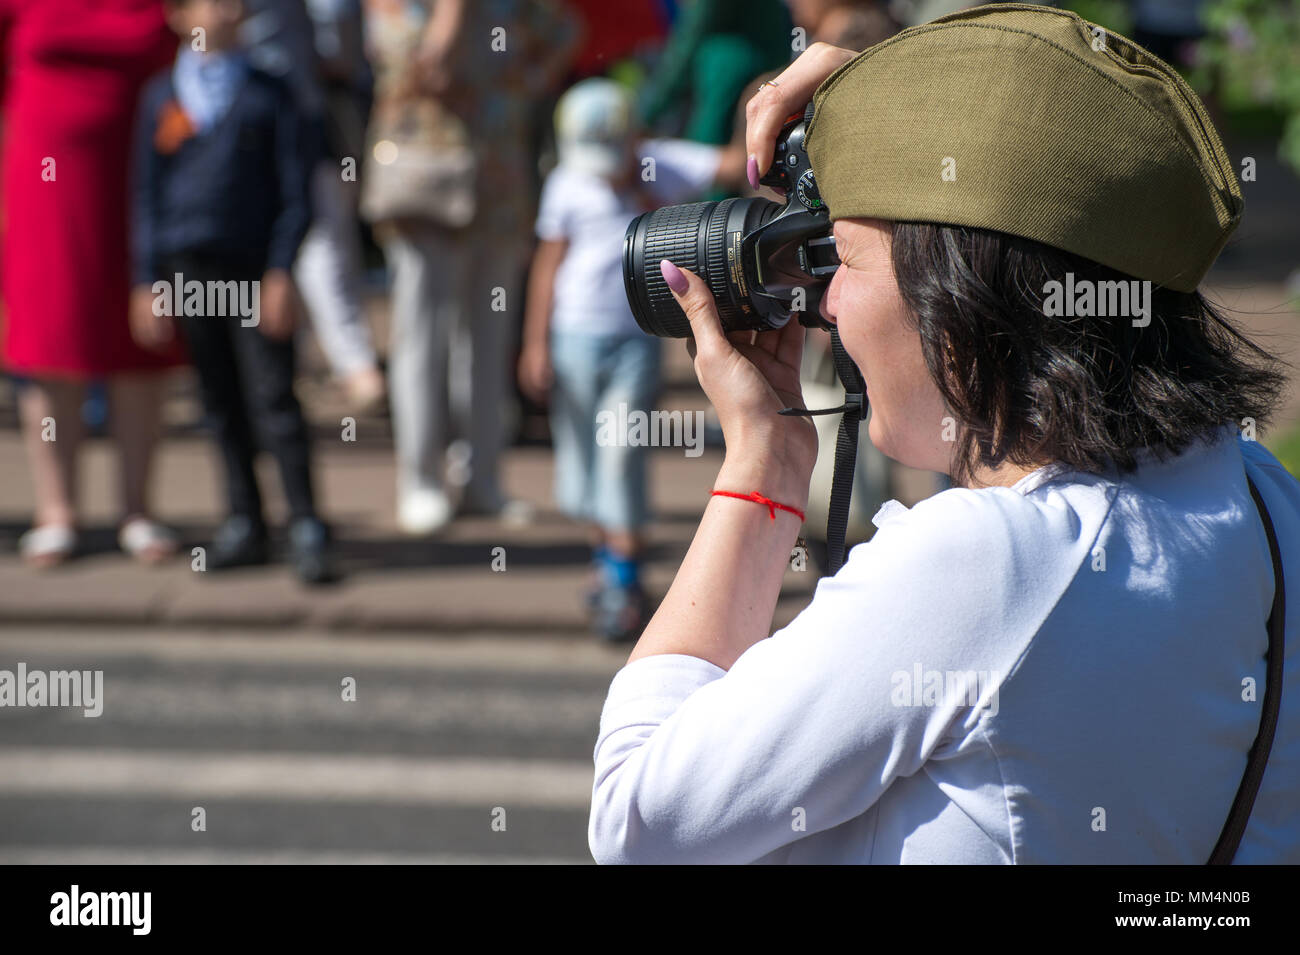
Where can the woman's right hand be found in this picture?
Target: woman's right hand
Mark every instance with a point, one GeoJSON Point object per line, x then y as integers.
{"type": "Point", "coordinates": [779, 99]}
{"type": "Point", "coordinates": [432, 69]}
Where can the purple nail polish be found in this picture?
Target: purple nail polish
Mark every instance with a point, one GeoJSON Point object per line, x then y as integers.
{"type": "Point", "coordinates": [751, 170]}
{"type": "Point", "coordinates": [674, 276]}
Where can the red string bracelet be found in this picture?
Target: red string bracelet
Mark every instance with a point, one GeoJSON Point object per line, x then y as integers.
{"type": "Point", "coordinates": [771, 505]}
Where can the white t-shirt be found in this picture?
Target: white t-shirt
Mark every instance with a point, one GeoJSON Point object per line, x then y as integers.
{"type": "Point", "coordinates": [593, 216]}
{"type": "Point", "coordinates": [1110, 624]}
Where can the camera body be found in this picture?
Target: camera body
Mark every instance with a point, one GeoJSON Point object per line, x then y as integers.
{"type": "Point", "coordinates": [762, 261]}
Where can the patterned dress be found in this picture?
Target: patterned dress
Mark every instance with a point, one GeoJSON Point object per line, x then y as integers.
{"type": "Point", "coordinates": [495, 95]}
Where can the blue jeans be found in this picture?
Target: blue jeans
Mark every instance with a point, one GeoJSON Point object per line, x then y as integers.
{"type": "Point", "coordinates": [602, 484]}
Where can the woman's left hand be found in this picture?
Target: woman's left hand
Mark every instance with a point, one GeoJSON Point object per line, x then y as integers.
{"type": "Point", "coordinates": [749, 378]}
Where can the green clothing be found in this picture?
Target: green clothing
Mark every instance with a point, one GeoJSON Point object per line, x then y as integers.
{"type": "Point", "coordinates": [716, 48]}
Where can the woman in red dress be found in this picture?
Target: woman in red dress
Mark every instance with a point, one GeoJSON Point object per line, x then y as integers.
{"type": "Point", "coordinates": [72, 72]}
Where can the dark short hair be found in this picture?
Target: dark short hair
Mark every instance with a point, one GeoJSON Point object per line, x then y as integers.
{"type": "Point", "coordinates": [1088, 392]}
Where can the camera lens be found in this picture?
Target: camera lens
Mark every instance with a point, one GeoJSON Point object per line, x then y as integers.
{"type": "Point", "coordinates": [704, 237]}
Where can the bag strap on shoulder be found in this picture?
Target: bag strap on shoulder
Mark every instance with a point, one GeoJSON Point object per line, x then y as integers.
{"type": "Point", "coordinates": [1233, 829]}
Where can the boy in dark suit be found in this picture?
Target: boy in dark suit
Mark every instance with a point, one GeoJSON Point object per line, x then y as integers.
{"type": "Point", "coordinates": [222, 160]}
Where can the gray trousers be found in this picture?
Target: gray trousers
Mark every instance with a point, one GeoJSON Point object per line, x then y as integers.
{"type": "Point", "coordinates": [455, 295]}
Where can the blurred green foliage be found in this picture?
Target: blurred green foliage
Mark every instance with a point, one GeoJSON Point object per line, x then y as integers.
{"type": "Point", "coordinates": [1114, 15]}
{"type": "Point", "coordinates": [1286, 448]}
{"type": "Point", "coordinates": [1250, 60]}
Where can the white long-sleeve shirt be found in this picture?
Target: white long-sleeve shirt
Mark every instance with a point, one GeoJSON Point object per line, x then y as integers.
{"type": "Point", "coordinates": [1113, 626]}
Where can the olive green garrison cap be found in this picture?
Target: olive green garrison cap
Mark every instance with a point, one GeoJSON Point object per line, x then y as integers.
{"type": "Point", "coordinates": [1028, 120]}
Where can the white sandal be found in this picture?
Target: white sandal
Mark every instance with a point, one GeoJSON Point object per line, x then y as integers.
{"type": "Point", "coordinates": [147, 541]}
{"type": "Point", "coordinates": [48, 545]}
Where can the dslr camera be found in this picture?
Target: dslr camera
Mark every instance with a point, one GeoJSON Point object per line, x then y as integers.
{"type": "Point", "coordinates": [762, 261]}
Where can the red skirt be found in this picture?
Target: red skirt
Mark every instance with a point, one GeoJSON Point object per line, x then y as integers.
{"type": "Point", "coordinates": [74, 72]}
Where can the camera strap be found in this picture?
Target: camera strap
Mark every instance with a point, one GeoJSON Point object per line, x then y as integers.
{"type": "Point", "coordinates": [1235, 827]}
{"type": "Point", "coordinates": [846, 448]}
{"type": "Point", "coordinates": [846, 451]}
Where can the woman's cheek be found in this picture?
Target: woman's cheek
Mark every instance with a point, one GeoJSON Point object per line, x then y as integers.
{"type": "Point", "coordinates": [900, 424]}
{"type": "Point", "coordinates": [852, 307]}
{"type": "Point", "coordinates": [830, 306]}
{"type": "Point", "coordinates": [883, 411]}
{"type": "Point", "coordinates": [875, 430]}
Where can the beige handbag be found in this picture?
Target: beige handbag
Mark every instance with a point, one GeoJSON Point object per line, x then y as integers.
{"type": "Point", "coordinates": [419, 165]}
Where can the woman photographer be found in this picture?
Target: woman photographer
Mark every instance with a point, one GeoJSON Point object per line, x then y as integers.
{"type": "Point", "coordinates": [1062, 659]}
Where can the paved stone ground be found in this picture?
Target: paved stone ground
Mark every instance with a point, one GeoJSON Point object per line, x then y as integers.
{"type": "Point", "coordinates": [456, 748]}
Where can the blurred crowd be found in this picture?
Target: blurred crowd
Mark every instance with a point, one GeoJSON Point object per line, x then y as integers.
{"type": "Point", "coordinates": [200, 182]}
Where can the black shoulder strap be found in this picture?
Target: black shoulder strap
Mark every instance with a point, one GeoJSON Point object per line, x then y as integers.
{"type": "Point", "coordinates": [846, 451]}
{"type": "Point", "coordinates": [1241, 806]}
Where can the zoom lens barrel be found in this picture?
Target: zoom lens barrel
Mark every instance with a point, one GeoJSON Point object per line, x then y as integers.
{"type": "Point", "coordinates": [705, 237]}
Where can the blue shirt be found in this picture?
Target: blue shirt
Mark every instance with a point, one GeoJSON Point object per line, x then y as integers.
{"type": "Point", "coordinates": [206, 84]}
{"type": "Point", "coordinates": [1069, 670]}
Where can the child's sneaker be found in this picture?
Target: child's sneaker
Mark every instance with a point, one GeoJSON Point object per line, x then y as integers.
{"type": "Point", "coordinates": [621, 613]}
{"type": "Point", "coordinates": [591, 598]}
{"type": "Point", "coordinates": [595, 583]}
